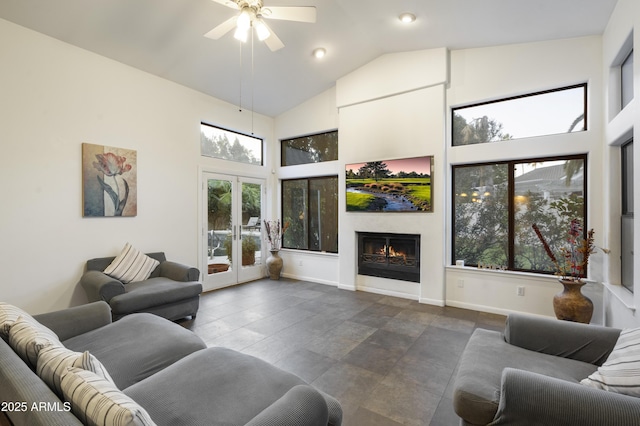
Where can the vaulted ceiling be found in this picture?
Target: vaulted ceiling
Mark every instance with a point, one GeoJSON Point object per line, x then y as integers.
{"type": "Point", "coordinates": [165, 38]}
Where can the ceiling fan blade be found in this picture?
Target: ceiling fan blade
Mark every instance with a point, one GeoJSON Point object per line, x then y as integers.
{"type": "Point", "coordinates": [273, 42]}
{"type": "Point", "coordinates": [229, 3]}
{"type": "Point", "coordinates": [222, 29]}
{"type": "Point", "coordinates": [290, 13]}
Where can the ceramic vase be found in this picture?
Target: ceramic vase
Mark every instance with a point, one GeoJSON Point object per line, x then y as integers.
{"type": "Point", "coordinates": [274, 265]}
{"type": "Point", "coordinates": [571, 305]}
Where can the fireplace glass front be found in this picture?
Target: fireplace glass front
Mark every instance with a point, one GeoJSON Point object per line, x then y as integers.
{"type": "Point", "coordinates": [395, 256]}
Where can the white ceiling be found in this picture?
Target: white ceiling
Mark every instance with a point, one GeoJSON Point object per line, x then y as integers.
{"type": "Point", "coordinates": [165, 37]}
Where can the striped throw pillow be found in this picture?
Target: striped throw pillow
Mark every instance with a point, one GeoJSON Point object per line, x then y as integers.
{"type": "Point", "coordinates": [621, 371]}
{"type": "Point", "coordinates": [96, 402]}
{"type": "Point", "coordinates": [27, 337]}
{"type": "Point", "coordinates": [8, 315]}
{"type": "Point", "coordinates": [54, 360]}
{"type": "Point", "coordinates": [131, 265]}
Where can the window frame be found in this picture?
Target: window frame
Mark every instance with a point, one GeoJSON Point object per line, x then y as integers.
{"type": "Point", "coordinates": [627, 211]}
{"type": "Point", "coordinates": [626, 85]}
{"type": "Point", "coordinates": [511, 204]}
{"type": "Point", "coordinates": [526, 95]}
{"type": "Point", "coordinates": [308, 179]}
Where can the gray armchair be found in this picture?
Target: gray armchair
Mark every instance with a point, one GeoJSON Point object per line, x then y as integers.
{"type": "Point", "coordinates": [172, 291]}
{"type": "Point", "coordinates": [531, 373]}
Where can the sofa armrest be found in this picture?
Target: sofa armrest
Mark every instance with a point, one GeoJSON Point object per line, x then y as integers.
{"type": "Point", "coordinates": [100, 286]}
{"type": "Point", "coordinates": [534, 399]}
{"type": "Point", "coordinates": [178, 271]}
{"type": "Point", "coordinates": [582, 342]}
{"type": "Point", "coordinates": [301, 405]}
{"type": "Point", "coordinates": [77, 320]}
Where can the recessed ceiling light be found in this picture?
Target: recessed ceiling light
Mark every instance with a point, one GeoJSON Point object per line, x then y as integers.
{"type": "Point", "coordinates": [319, 52]}
{"type": "Point", "coordinates": [407, 18]}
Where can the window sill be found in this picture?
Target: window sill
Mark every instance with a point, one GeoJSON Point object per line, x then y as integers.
{"type": "Point", "coordinates": [622, 294]}
{"type": "Point", "coordinates": [519, 274]}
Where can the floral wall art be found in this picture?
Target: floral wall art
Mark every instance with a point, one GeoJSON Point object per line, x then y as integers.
{"type": "Point", "coordinates": [109, 181]}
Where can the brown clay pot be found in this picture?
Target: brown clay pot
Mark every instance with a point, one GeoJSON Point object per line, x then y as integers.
{"type": "Point", "coordinates": [571, 305]}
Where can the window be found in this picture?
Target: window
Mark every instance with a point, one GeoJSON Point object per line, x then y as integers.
{"type": "Point", "coordinates": [228, 145]}
{"type": "Point", "coordinates": [496, 204]}
{"type": "Point", "coordinates": [626, 80]}
{"type": "Point", "coordinates": [310, 205]}
{"type": "Point", "coordinates": [627, 215]}
{"type": "Point", "coordinates": [543, 113]}
{"type": "Point", "coordinates": [310, 149]}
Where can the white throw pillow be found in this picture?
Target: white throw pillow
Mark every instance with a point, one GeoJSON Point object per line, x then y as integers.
{"type": "Point", "coordinates": [96, 402]}
{"type": "Point", "coordinates": [131, 265]}
{"type": "Point", "coordinates": [54, 360]}
{"type": "Point", "coordinates": [27, 337]}
{"type": "Point", "coordinates": [8, 315]}
{"type": "Point", "coordinates": [621, 371]}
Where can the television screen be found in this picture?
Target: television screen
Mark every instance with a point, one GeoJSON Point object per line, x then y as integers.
{"type": "Point", "coordinates": [402, 185]}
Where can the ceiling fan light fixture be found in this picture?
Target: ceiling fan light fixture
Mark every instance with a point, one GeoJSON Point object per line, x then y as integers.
{"type": "Point", "coordinates": [241, 34]}
{"type": "Point", "coordinates": [319, 53]}
{"type": "Point", "coordinates": [244, 20]}
{"type": "Point", "coordinates": [262, 30]}
{"type": "Point", "coordinates": [407, 18]}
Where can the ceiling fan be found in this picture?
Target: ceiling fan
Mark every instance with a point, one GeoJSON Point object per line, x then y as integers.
{"type": "Point", "coordinates": [251, 15]}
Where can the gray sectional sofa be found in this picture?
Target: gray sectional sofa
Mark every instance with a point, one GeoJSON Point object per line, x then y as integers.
{"type": "Point", "coordinates": [530, 375]}
{"type": "Point", "coordinates": [169, 372]}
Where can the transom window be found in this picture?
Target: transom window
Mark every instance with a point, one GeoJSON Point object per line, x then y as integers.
{"type": "Point", "coordinates": [626, 80]}
{"type": "Point", "coordinates": [226, 144]}
{"type": "Point", "coordinates": [550, 112]}
{"type": "Point", "coordinates": [496, 204]}
{"type": "Point", "coordinates": [310, 149]}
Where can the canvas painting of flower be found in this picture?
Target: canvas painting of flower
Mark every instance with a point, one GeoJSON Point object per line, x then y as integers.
{"type": "Point", "coordinates": [109, 181]}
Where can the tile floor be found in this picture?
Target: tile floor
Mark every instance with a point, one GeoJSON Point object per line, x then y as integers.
{"type": "Point", "coordinates": [389, 361]}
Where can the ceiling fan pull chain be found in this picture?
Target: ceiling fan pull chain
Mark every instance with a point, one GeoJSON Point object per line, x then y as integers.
{"type": "Point", "coordinates": [240, 88]}
{"type": "Point", "coordinates": [252, 77]}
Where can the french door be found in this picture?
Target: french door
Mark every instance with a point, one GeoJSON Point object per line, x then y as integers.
{"type": "Point", "coordinates": [232, 244]}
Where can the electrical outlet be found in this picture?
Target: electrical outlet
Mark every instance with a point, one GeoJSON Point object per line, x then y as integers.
{"type": "Point", "coordinates": [460, 283]}
{"type": "Point", "coordinates": [520, 290]}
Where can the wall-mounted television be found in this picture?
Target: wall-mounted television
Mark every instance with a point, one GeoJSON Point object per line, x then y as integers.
{"type": "Point", "coordinates": [402, 185]}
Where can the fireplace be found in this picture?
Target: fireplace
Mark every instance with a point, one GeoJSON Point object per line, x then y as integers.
{"type": "Point", "coordinates": [395, 256]}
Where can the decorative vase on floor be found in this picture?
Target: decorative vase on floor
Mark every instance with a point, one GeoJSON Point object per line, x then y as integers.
{"type": "Point", "coordinates": [571, 305]}
{"type": "Point", "coordinates": [274, 265]}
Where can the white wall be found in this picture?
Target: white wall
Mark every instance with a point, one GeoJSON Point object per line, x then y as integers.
{"type": "Point", "coordinates": [54, 98]}
{"type": "Point", "coordinates": [620, 126]}
{"type": "Point", "coordinates": [496, 72]}
{"type": "Point", "coordinates": [387, 113]}
{"type": "Point", "coordinates": [316, 115]}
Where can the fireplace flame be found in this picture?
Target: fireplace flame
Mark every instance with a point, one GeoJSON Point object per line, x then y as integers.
{"type": "Point", "coordinates": [392, 252]}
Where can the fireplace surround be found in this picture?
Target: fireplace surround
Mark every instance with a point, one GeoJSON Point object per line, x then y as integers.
{"type": "Point", "coordinates": [389, 255]}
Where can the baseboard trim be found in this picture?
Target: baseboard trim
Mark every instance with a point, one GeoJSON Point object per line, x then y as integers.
{"type": "Point", "coordinates": [435, 302]}
{"type": "Point", "coordinates": [387, 292]}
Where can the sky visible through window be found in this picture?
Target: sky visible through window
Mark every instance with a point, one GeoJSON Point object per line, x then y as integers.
{"type": "Point", "coordinates": [543, 114]}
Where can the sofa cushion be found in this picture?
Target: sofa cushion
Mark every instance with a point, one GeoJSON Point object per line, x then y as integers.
{"type": "Point", "coordinates": [234, 386]}
{"type": "Point", "coordinates": [153, 292]}
{"type": "Point", "coordinates": [54, 360]}
{"type": "Point", "coordinates": [621, 371]}
{"type": "Point", "coordinates": [98, 402]}
{"type": "Point", "coordinates": [8, 315]}
{"type": "Point", "coordinates": [27, 337]}
{"type": "Point", "coordinates": [137, 346]}
{"type": "Point", "coordinates": [131, 265]}
{"type": "Point", "coordinates": [477, 385]}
